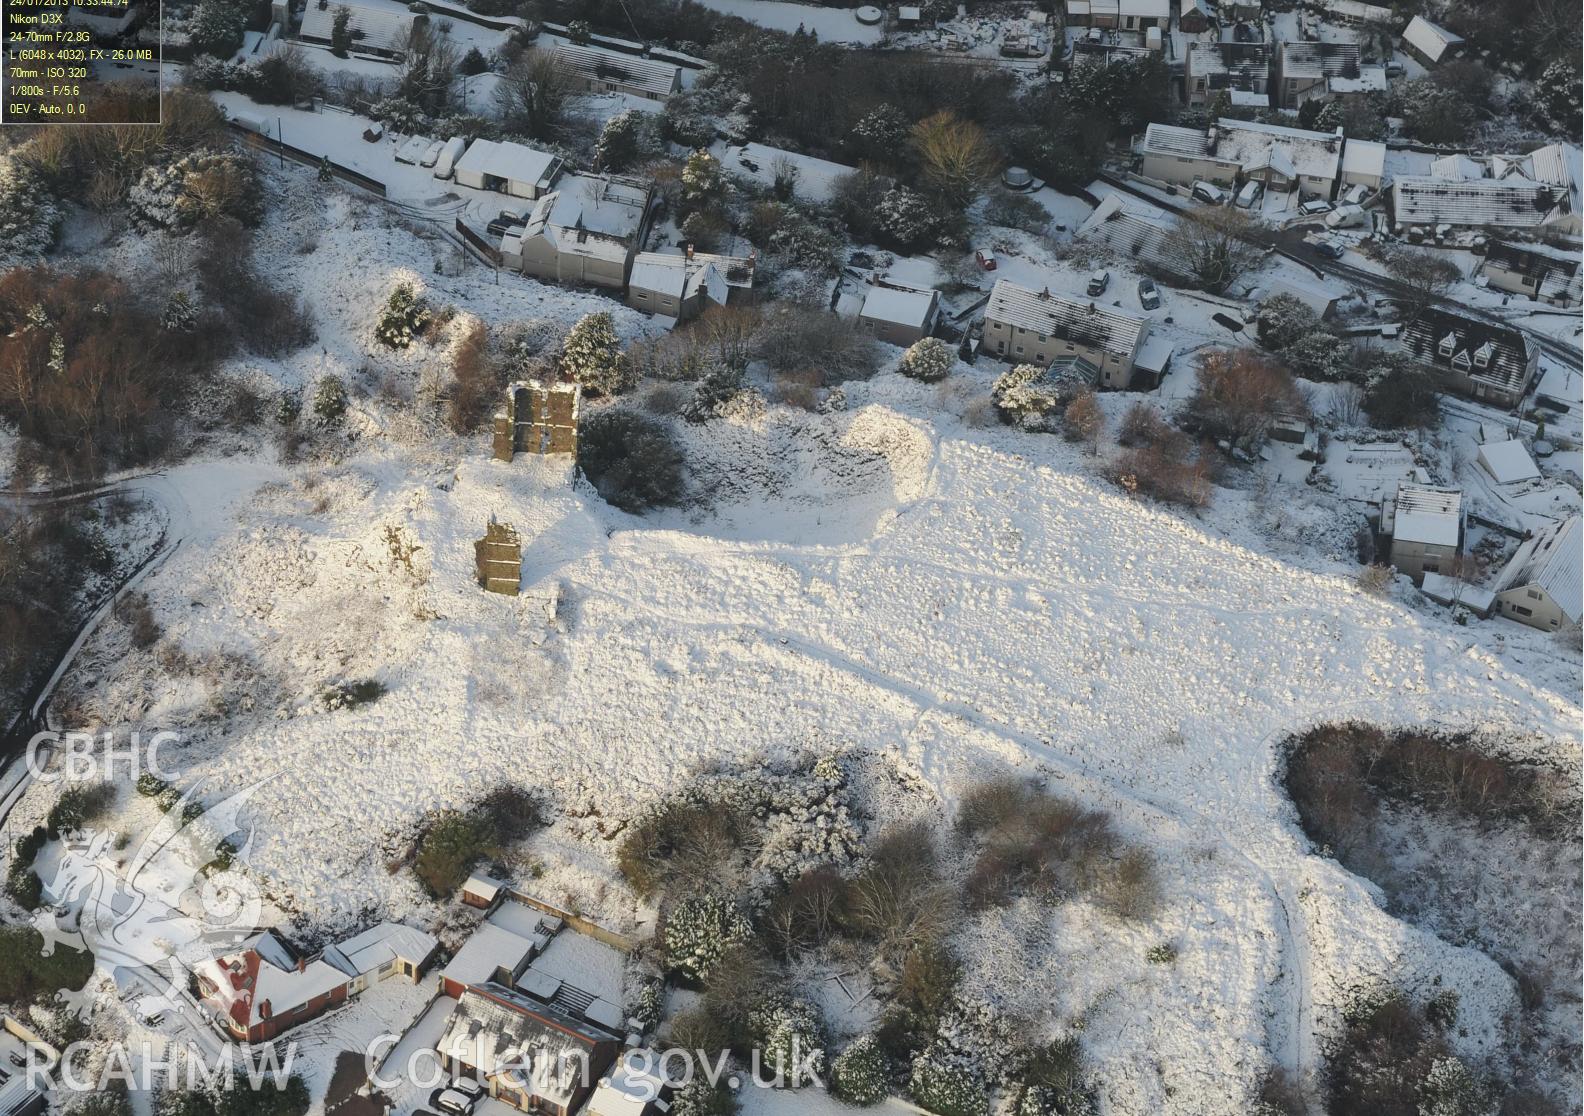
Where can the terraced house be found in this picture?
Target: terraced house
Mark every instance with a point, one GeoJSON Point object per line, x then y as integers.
{"type": "Point", "coordinates": [1037, 327]}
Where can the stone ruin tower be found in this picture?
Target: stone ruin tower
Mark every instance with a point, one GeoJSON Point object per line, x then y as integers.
{"type": "Point", "coordinates": [539, 418]}
{"type": "Point", "coordinates": [499, 557]}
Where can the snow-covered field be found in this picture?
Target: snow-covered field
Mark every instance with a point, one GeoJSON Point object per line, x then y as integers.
{"type": "Point", "coordinates": [893, 577]}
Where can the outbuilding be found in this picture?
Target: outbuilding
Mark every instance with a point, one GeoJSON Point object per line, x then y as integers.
{"type": "Point", "coordinates": [899, 315]}
{"type": "Point", "coordinates": [1508, 462]}
{"type": "Point", "coordinates": [509, 168]}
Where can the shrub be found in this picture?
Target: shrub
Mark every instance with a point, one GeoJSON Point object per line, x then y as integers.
{"type": "Point", "coordinates": [26, 972]}
{"type": "Point", "coordinates": [450, 847]}
{"type": "Point", "coordinates": [133, 610]}
{"type": "Point", "coordinates": [405, 316]}
{"type": "Point", "coordinates": [1055, 1081]}
{"type": "Point", "coordinates": [199, 187]}
{"type": "Point", "coordinates": [794, 338]}
{"type": "Point", "coordinates": [29, 216]}
{"type": "Point", "coordinates": [24, 886]}
{"type": "Point", "coordinates": [330, 401]}
{"type": "Point", "coordinates": [1238, 395]}
{"type": "Point", "coordinates": [928, 359]}
{"type": "Point", "coordinates": [1160, 463]}
{"type": "Point", "coordinates": [1283, 319]}
{"type": "Point", "coordinates": [216, 28]}
{"type": "Point", "coordinates": [791, 1042]}
{"type": "Point", "coordinates": [699, 1098]}
{"type": "Point", "coordinates": [350, 695]}
{"type": "Point", "coordinates": [1399, 392]}
{"type": "Point", "coordinates": [947, 1089]}
{"type": "Point", "coordinates": [860, 1074]}
{"type": "Point", "coordinates": [472, 63]}
{"type": "Point", "coordinates": [631, 460]}
{"type": "Point", "coordinates": [1083, 420]}
{"type": "Point", "coordinates": [78, 806]}
{"type": "Point", "coordinates": [475, 381]}
{"type": "Point", "coordinates": [1163, 954]}
{"type": "Point", "coordinates": [698, 932]}
{"type": "Point", "coordinates": [899, 900]}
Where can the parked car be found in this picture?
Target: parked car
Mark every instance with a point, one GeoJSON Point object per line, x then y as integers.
{"type": "Point", "coordinates": [1149, 294]}
{"type": "Point", "coordinates": [1249, 196]}
{"type": "Point", "coordinates": [1205, 192]}
{"type": "Point", "coordinates": [1314, 207]}
{"type": "Point", "coordinates": [1330, 249]}
{"type": "Point", "coordinates": [1098, 282]}
{"type": "Point", "coordinates": [458, 1104]}
{"type": "Point", "coordinates": [1356, 194]}
{"type": "Point", "coordinates": [508, 219]}
{"type": "Point", "coordinates": [985, 258]}
{"type": "Point", "coordinates": [468, 1087]}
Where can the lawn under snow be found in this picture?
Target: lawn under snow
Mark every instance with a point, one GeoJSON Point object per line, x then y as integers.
{"type": "Point", "coordinates": [887, 578]}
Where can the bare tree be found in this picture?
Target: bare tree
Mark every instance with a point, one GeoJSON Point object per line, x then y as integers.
{"type": "Point", "coordinates": [1213, 246]}
{"type": "Point", "coordinates": [533, 92]}
{"type": "Point", "coordinates": [957, 158]}
{"type": "Point", "coordinates": [1425, 276]}
{"type": "Point", "coordinates": [428, 67]}
{"type": "Point", "coordinates": [1084, 421]}
{"type": "Point", "coordinates": [1239, 393]}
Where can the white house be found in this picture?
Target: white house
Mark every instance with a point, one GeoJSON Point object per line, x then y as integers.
{"type": "Point", "coordinates": [1536, 271]}
{"type": "Point", "coordinates": [599, 70]}
{"type": "Point", "coordinates": [1232, 151]}
{"type": "Point", "coordinates": [682, 285]}
{"type": "Point", "coordinates": [1540, 586]}
{"type": "Point", "coordinates": [1425, 526]}
{"type": "Point", "coordinates": [1364, 163]}
{"type": "Point", "coordinates": [585, 231]}
{"type": "Point", "coordinates": [1429, 43]}
{"type": "Point", "coordinates": [374, 29]}
{"type": "Point", "coordinates": [510, 168]}
{"type": "Point", "coordinates": [1037, 327]}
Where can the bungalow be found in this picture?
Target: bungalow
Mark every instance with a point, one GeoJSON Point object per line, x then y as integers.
{"type": "Point", "coordinates": [899, 315]}
{"type": "Point", "coordinates": [682, 285]}
{"type": "Point", "coordinates": [1037, 327]}
{"type": "Point", "coordinates": [586, 231]}
{"type": "Point", "coordinates": [374, 30]}
{"type": "Point", "coordinates": [268, 987]}
{"type": "Point", "coordinates": [1429, 43]}
{"type": "Point", "coordinates": [600, 70]}
{"type": "Point", "coordinates": [27, 1063]}
{"type": "Point", "coordinates": [509, 168]}
{"type": "Point", "coordinates": [1356, 13]}
{"type": "Point", "coordinates": [1137, 236]}
{"type": "Point", "coordinates": [1424, 526]}
{"type": "Point", "coordinates": [1540, 586]}
{"type": "Point", "coordinates": [500, 950]}
{"type": "Point", "coordinates": [532, 1056]}
{"type": "Point", "coordinates": [1479, 359]}
{"type": "Point", "coordinates": [1536, 271]}
{"type": "Point", "coordinates": [1364, 163]}
{"type": "Point", "coordinates": [1425, 201]}
{"type": "Point", "coordinates": [1210, 68]}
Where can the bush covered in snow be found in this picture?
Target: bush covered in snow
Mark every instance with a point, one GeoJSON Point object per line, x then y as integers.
{"type": "Point", "coordinates": [216, 27]}
{"type": "Point", "coordinates": [791, 1043]}
{"type": "Point", "coordinates": [330, 401]}
{"type": "Point", "coordinates": [29, 216]}
{"type": "Point", "coordinates": [928, 359]}
{"type": "Point", "coordinates": [632, 460]}
{"type": "Point", "coordinates": [591, 355]}
{"type": "Point", "coordinates": [1029, 395]}
{"type": "Point", "coordinates": [947, 1087]}
{"type": "Point", "coordinates": [197, 188]}
{"type": "Point", "coordinates": [404, 318]}
{"type": "Point", "coordinates": [698, 932]}
{"type": "Point", "coordinates": [861, 1074]}
{"type": "Point", "coordinates": [699, 1098]}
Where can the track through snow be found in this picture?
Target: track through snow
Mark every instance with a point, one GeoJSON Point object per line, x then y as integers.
{"type": "Point", "coordinates": [994, 603]}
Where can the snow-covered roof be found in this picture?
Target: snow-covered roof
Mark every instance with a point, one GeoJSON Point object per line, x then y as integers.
{"type": "Point", "coordinates": [1312, 293]}
{"type": "Point", "coordinates": [1508, 462]}
{"type": "Point", "coordinates": [1447, 590]}
{"type": "Point", "coordinates": [485, 887]}
{"type": "Point", "coordinates": [1433, 516]}
{"type": "Point", "coordinates": [1456, 168]}
{"type": "Point", "coordinates": [1563, 387]}
{"type": "Point", "coordinates": [1486, 352]}
{"type": "Point", "coordinates": [1428, 39]}
{"type": "Point", "coordinates": [512, 161]}
{"type": "Point", "coordinates": [1508, 202]}
{"type": "Point", "coordinates": [1169, 139]}
{"type": "Point", "coordinates": [490, 947]}
{"type": "Point", "coordinates": [628, 1089]}
{"type": "Point", "coordinates": [1247, 98]}
{"type": "Point", "coordinates": [599, 64]}
{"type": "Point", "coordinates": [1368, 79]}
{"type": "Point", "coordinates": [1555, 271]}
{"type": "Point", "coordinates": [378, 946]}
{"type": "Point", "coordinates": [250, 989]}
{"type": "Point", "coordinates": [1057, 316]}
{"type": "Point", "coordinates": [1136, 235]}
{"type": "Point", "coordinates": [536, 1048]}
{"type": "Point", "coordinates": [682, 276]}
{"type": "Point", "coordinates": [1313, 154]}
{"type": "Point", "coordinates": [1155, 354]}
{"type": "Point", "coordinates": [1357, 10]}
{"type": "Point", "coordinates": [898, 306]}
{"type": "Point", "coordinates": [1144, 9]}
{"type": "Point", "coordinates": [1364, 157]}
{"type": "Point", "coordinates": [1229, 65]}
{"type": "Point", "coordinates": [1301, 59]}
{"type": "Point", "coordinates": [1550, 561]}
{"type": "Point", "coordinates": [372, 27]}
{"type": "Point", "coordinates": [601, 203]}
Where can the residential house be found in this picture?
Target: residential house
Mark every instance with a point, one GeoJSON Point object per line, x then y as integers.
{"type": "Point", "coordinates": [27, 1063]}
{"type": "Point", "coordinates": [1429, 43]}
{"type": "Point", "coordinates": [1210, 68]}
{"type": "Point", "coordinates": [1355, 13]}
{"type": "Point", "coordinates": [1424, 526]}
{"type": "Point", "coordinates": [1425, 201]}
{"type": "Point", "coordinates": [268, 987]}
{"type": "Point", "coordinates": [533, 1056]}
{"type": "Point", "coordinates": [1540, 585]}
{"type": "Point", "coordinates": [1306, 68]}
{"type": "Point", "coordinates": [600, 70]}
{"type": "Point", "coordinates": [1195, 17]}
{"type": "Point", "coordinates": [1137, 236]}
{"type": "Point", "coordinates": [500, 950]}
{"type": "Point", "coordinates": [374, 30]}
{"type": "Point", "coordinates": [682, 285]}
{"type": "Point", "coordinates": [1141, 15]}
{"type": "Point", "coordinates": [1364, 163]}
{"type": "Point", "coordinates": [899, 315]}
{"type": "Point", "coordinates": [587, 230]}
{"type": "Point", "coordinates": [1473, 357]}
{"type": "Point", "coordinates": [1508, 462]}
{"type": "Point", "coordinates": [1037, 327]}
{"type": "Point", "coordinates": [509, 168]}
{"type": "Point", "coordinates": [1536, 271]}
{"type": "Point", "coordinates": [1233, 151]}
{"type": "Point", "coordinates": [1319, 296]}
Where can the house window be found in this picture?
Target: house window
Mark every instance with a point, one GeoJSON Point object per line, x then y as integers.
{"type": "Point", "coordinates": [1020, 350]}
{"type": "Point", "coordinates": [1432, 567]}
{"type": "Point", "coordinates": [1522, 611]}
{"type": "Point", "coordinates": [1532, 594]}
{"type": "Point", "coordinates": [1448, 345]}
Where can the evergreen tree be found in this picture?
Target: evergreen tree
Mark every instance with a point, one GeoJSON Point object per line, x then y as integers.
{"type": "Point", "coordinates": [928, 359]}
{"type": "Point", "coordinates": [592, 355]}
{"type": "Point", "coordinates": [341, 32]}
{"type": "Point", "coordinates": [326, 172]}
{"type": "Point", "coordinates": [860, 1074]}
{"type": "Point", "coordinates": [618, 143]}
{"type": "Point", "coordinates": [404, 317]}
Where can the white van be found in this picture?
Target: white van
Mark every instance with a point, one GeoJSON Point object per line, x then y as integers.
{"type": "Point", "coordinates": [1346, 217]}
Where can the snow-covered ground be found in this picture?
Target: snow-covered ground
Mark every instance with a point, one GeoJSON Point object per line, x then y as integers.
{"type": "Point", "coordinates": [894, 577]}
{"type": "Point", "coordinates": [834, 25]}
